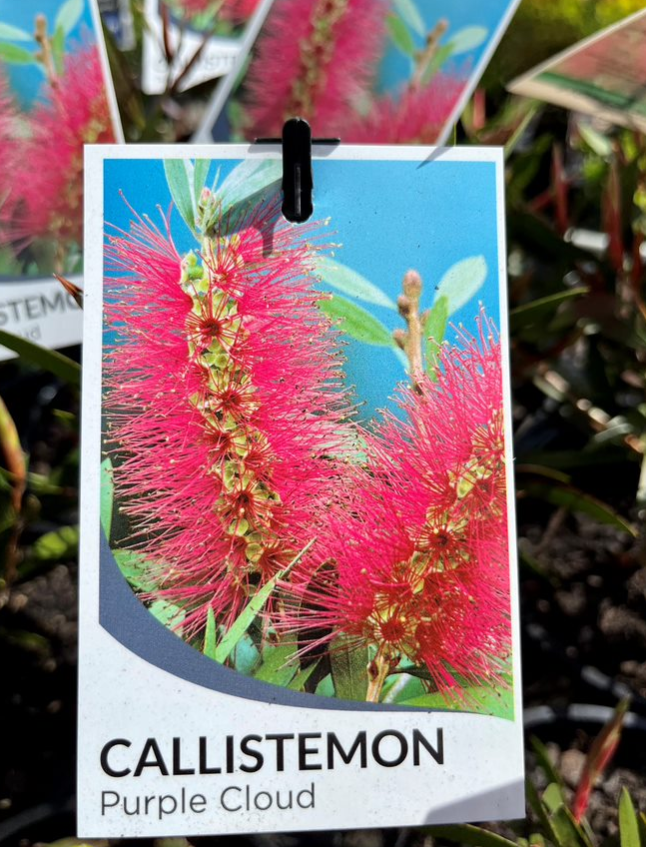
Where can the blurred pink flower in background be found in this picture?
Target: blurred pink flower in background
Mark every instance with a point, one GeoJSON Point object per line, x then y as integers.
{"type": "Point", "coordinates": [47, 180]}
{"type": "Point", "coordinates": [316, 60]}
{"type": "Point", "coordinates": [416, 115]}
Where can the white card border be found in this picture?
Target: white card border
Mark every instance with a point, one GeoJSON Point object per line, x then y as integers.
{"type": "Point", "coordinates": [95, 156]}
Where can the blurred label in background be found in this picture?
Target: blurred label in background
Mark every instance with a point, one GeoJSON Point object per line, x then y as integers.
{"type": "Point", "coordinates": [117, 17]}
{"type": "Point", "coordinates": [55, 96]}
{"type": "Point", "coordinates": [385, 71]}
{"type": "Point", "coordinates": [604, 76]}
{"type": "Point", "coordinates": [204, 38]}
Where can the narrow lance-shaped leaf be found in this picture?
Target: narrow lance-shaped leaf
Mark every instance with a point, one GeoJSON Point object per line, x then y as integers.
{"type": "Point", "coordinates": [200, 175]}
{"type": "Point", "coordinates": [408, 12]}
{"type": "Point", "coordinates": [210, 635]}
{"type": "Point", "coordinates": [462, 282]}
{"type": "Point", "coordinates": [69, 15]}
{"type": "Point", "coordinates": [14, 33]}
{"type": "Point", "coordinates": [15, 55]}
{"type": "Point", "coordinates": [250, 612]}
{"type": "Point", "coordinates": [468, 39]}
{"type": "Point", "coordinates": [349, 670]}
{"type": "Point", "coordinates": [357, 322]}
{"type": "Point", "coordinates": [49, 360]}
{"type": "Point", "coordinates": [628, 821]}
{"type": "Point", "coordinates": [278, 665]}
{"type": "Point", "coordinates": [350, 282]}
{"type": "Point", "coordinates": [434, 332]}
{"type": "Point", "coordinates": [601, 752]}
{"type": "Point", "coordinates": [107, 496]}
{"type": "Point", "coordinates": [179, 176]}
{"type": "Point", "coordinates": [400, 34]}
{"type": "Point", "coordinates": [252, 177]}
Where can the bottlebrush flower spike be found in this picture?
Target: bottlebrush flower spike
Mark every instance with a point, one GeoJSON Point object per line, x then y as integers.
{"type": "Point", "coordinates": [225, 401]}
{"type": "Point", "coordinates": [316, 61]}
{"type": "Point", "coordinates": [9, 145]}
{"type": "Point", "coordinates": [417, 115]}
{"type": "Point", "coordinates": [48, 178]}
{"type": "Point", "coordinates": [422, 562]}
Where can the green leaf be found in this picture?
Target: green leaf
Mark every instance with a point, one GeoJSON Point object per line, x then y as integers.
{"type": "Point", "coordinates": [134, 568]}
{"type": "Point", "coordinates": [179, 176]}
{"type": "Point", "coordinates": [538, 311]}
{"type": "Point", "coordinates": [279, 665]}
{"type": "Point", "coordinates": [408, 12]}
{"type": "Point", "coordinates": [482, 700]}
{"type": "Point", "coordinates": [462, 282]}
{"type": "Point", "coordinates": [434, 331]}
{"type": "Point", "coordinates": [468, 39]}
{"type": "Point", "coordinates": [400, 34]}
{"type": "Point", "coordinates": [58, 545]}
{"type": "Point", "coordinates": [325, 688]}
{"type": "Point", "coordinates": [209, 635]}
{"type": "Point", "coordinates": [251, 610]}
{"type": "Point", "coordinates": [107, 496]}
{"type": "Point", "coordinates": [13, 33]}
{"type": "Point", "coordinates": [200, 175]}
{"type": "Point", "coordinates": [628, 823]}
{"type": "Point", "coordinates": [543, 758]}
{"type": "Point", "coordinates": [598, 143]}
{"type": "Point", "coordinates": [167, 614]}
{"type": "Point", "coordinates": [69, 15]}
{"type": "Point", "coordinates": [567, 832]}
{"type": "Point", "coordinates": [298, 683]}
{"type": "Point", "coordinates": [253, 176]}
{"type": "Point", "coordinates": [15, 55]}
{"type": "Point", "coordinates": [350, 282]}
{"type": "Point", "coordinates": [442, 54]}
{"type": "Point", "coordinates": [349, 670]}
{"type": "Point", "coordinates": [574, 500]}
{"type": "Point", "coordinates": [58, 49]}
{"type": "Point", "coordinates": [356, 322]}
{"type": "Point", "coordinates": [474, 836]}
{"type": "Point", "coordinates": [49, 360]}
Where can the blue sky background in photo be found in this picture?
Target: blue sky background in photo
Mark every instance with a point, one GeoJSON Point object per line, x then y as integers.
{"type": "Point", "coordinates": [26, 80]}
{"type": "Point", "coordinates": [389, 217]}
{"type": "Point", "coordinates": [396, 68]}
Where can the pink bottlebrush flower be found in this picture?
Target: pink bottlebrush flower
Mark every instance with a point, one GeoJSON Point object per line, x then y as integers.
{"type": "Point", "coordinates": [421, 566]}
{"type": "Point", "coordinates": [316, 61]}
{"type": "Point", "coordinates": [9, 145]}
{"type": "Point", "coordinates": [47, 183]}
{"type": "Point", "coordinates": [416, 115]}
{"type": "Point", "coordinates": [225, 402]}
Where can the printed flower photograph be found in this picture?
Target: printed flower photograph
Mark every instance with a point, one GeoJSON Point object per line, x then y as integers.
{"type": "Point", "coordinates": [52, 101]}
{"type": "Point", "coordinates": [304, 464]}
{"type": "Point", "coordinates": [369, 71]}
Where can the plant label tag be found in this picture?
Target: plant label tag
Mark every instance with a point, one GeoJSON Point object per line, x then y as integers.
{"type": "Point", "coordinates": [55, 95]}
{"type": "Point", "coordinates": [603, 76]}
{"type": "Point", "coordinates": [298, 582]}
{"type": "Point", "coordinates": [204, 39]}
{"type": "Point", "coordinates": [374, 73]}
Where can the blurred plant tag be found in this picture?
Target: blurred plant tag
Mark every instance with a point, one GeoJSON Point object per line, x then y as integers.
{"type": "Point", "coordinates": [201, 41]}
{"type": "Point", "coordinates": [603, 76]}
{"type": "Point", "coordinates": [117, 17]}
{"type": "Point", "coordinates": [55, 94]}
{"type": "Point", "coordinates": [381, 72]}
{"type": "Point", "coordinates": [298, 581]}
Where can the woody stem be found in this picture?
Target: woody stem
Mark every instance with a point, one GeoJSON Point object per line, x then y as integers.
{"type": "Point", "coordinates": [378, 670]}
{"type": "Point", "coordinates": [411, 339]}
{"type": "Point", "coordinates": [426, 56]}
{"type": "Point", "coordinates": [46, 55]}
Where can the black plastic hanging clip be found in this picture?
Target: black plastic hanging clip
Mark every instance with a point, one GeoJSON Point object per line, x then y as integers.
{"type": "Point", "coordinates": [298, 180]}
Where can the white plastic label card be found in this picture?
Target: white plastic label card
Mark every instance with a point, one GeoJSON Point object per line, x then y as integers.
{"type": "Point", "coordinates": [205, 38]}
{"type": "Point", "coordinates": [604, 76]}
{"type": "Point", "coordinates": [55, 95]}
{"type": "Point", "coordinates": [368, 71]}
{"type": "Point", "coordinates": [299, 607]}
